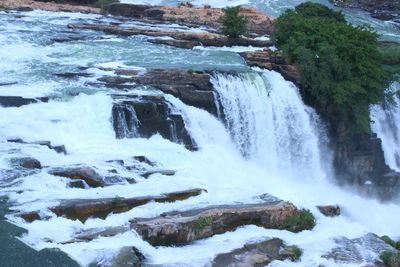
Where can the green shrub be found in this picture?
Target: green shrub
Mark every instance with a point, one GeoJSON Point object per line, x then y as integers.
{"type": "Point", "coordinates": [296, 251]}
{"type": "Point", "coordinates": [304, 220]}
{"type": "Point", "coordinates": [391, 259]}
{"type": "Point", "coordinates": [202, 222]}
{"type": "Point", "coordinates": [339, 64]}
{"type": "Point", "coordinates": [232, 23]}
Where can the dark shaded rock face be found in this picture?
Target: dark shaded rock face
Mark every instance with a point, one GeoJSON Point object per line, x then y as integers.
{"type": "Point", "coordinates": [379, 9]}
{"type": "Point", "coordinates": [148, 116]}
{"type": "Point", "coordinates": [17, 101]}
{"type": "Point", "coordinates": [27, 163]}
{"type": "Point", "coordinates": [257, 254]}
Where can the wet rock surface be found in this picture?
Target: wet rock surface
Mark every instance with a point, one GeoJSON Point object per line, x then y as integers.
{"type": "Point", "coordinates": [351, 251]}
{"type": "Point", "coordinates": [126, 257]}
{"type": "Point", "coordinates": [85, 173]}
{"type": "Point", "coordinates": [58, 148]}
{"type": "Point", "coordinates": [183, 227]}
{"type": "Point", "coordinates": [254, 255]}
{"type": "Point", "coordinates": [201, 38]}
{"type": "Point", "coordinates": [82, 209]}
{"type": "Point", "coordinates": [329, 210]}
{"type": "Point", "coordinates": [18, 101]}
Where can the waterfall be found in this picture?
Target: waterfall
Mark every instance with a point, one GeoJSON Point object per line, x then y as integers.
{"type": "Point", "coordinates": [385, 124]}
{"type": "Point", "coordinates": [125, 121]}
{"type": "Point", "coordinates": [269, 122]}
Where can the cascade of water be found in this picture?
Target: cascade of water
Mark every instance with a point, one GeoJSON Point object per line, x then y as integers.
{"type": "Point", "coordinates": [386, 120]}
{"type": "Point", "coordinates": [126, 122]}
{"type": "Point", "coordinates": [269, 122]}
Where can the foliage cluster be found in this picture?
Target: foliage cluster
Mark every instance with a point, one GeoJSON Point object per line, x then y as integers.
{"type": "Point", "coordinates": [232, 23]}
{"type": "Point", "coordinates": [340, 64]}
{"type": "Point", "coordinates": [391, 259]}
{"type": "Point", "coordinates": [304, 220]}
{"type": "Point", "coordinates": [202, 222]}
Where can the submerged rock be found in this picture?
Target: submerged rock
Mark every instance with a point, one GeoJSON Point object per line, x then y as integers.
{"type": "Point", "coordinates": [126, 257]}
{"type": "Point", "coordinates": [27, 163]}
{"type": "Point", "coordinates": [58, 149]}
{"type": "Point", "coordinates": [85, 173]}
{"type": "Point", "coordinates": [254, 255]}
{"type": "Point", "coordinates": [183, 227]}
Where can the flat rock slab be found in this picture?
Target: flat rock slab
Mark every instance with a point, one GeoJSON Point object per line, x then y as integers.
{"type": "Point", "coordinates": [254, 255]}
{"type": "Point", "coordinates": [18, 101]}
{"type": "Point", "coordinates": [82, 209]}
{"type": "Point", "coordinates": [201, 38]}
{"type": "Point", "coordinates": [183, 227]}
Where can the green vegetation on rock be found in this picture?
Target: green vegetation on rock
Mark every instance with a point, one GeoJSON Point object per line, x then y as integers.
{"type": "Point", "coordinates": [391, 259]}
{"type": "Point", "coordinates": [101, 3]}
{"type": "Point", "coordinates": [340, 65]}
{"type": "Point", "coordinates": [233, 24]}
{"type": "Point", "coordinates": [304, 220]}
{"type": "Point", "coordinates": [202, 222]}
{"type": "Point", "coordinates": [296, 251]}
{"type": "Point", "coordinates": [390, 242]}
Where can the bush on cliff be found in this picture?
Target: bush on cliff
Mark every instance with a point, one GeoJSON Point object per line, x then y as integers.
{"type": "Point", "coordinates": [340, 65]}
{"type": "Point", "coordinates": [233, 24]}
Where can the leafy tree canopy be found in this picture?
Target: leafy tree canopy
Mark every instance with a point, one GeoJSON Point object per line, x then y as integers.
{"type": "Point", "coordinates": [233, 24]}
{"type": "Point", "coordinates": [339, 64]}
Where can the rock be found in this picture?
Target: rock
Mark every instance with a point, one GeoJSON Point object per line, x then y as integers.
{"type": "Point", "coordinates": [352, 251]}
{"type": "Point", "coordinates": [77, 184]}
{"type": "Point", "coordinates": [379, 9]}
{"type": "Point", "coordinates": [59, 149]}
{"type": "Point", "coordinates": [82, 209]}
{"type": "Point", "coordinates": [330, 210]}
{"type": "Point", "coordinates": [175, 228]}
{"type": "Point", "coordinates": [144, 159]}
{"type": "Point", "coordinates": [90, 234]}
{"type": "Point", "coordinates": [133, 117]}
{"type": "Point", "coordinates": [162, 172]}
{"type": "Point", "coordinates": [72, 75]}
{"type": "Point", "coordinates": [192, 87]}
{"type": "Point", "coordinates": [126, 257]}
{"type": "Point", "coordinates": [7, 83]}
{"type": "Point", "coordinates": [266, 59]}
{"type": "Point", "coordinates": [87, 174]}
{"type": "Point", "coordinates": [258, 22]}
{"type": "Point", "coordinates": [30, 216]}
{"type": "Point", "coordinates": [18, 101]}
{"type": "Point", "coordinates": [253, 255]}
{"type": "Point", "coordinates": [27, 163]}
{"type": "Point", "coordinates": [176, 43]}
{"type": "Point", "coordinates": [58, 5]}
{"type": "Point", "coordinates": [203, 38]}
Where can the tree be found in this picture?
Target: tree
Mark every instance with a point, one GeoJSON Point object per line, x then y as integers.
{"type": "Point", "coordinates": [232, 23]}
{"type": "Point", "coordinates": [339, 64]}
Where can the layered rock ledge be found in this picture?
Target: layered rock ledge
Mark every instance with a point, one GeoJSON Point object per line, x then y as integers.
{"type": "Point", "coordinates": [183, 227]}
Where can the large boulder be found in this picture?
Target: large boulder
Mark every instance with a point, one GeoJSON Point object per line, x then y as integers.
{"type": "Point", "coordinates": [18, 101]}
{"type": "Point", "coordinates": [186, 226]}
{"type": "Point", "coordinates": [26, 163]}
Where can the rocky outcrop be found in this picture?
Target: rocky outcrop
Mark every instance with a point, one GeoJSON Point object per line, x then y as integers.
{"type": "Point", "coordinates": [380, 9]}
{"type": "Point", "coordinates": [58, 148]}
{"type": "Point", "coordinates": [18, 101]}
{"type": "Point", "coordinates": [200, 38]}
{"type": "Point", "coordinates": [26, 163]}
{"type": "Point", "coordinates": [82, 209]}
{"type": "Point", "coordinates": [258, 22]}
{"type": "Point", "coordinates": [254, 255]}
{"type": "Point", "coordinates": [183, 227]}
{"type": "Point", "coordinates": [330, 210]}
{"type": "Point", "coordinates": [147, 116]}
{"type": "Point", "coordinates": [65, 6]}
{"type": "Point", "coordinates": [269, 60]}
{"type": "Point", "coordinates": [352, 251]}
{"type": "Point", "coordinates": [126, 257]}
{"type": "Point", "coordinates": [91, 177]}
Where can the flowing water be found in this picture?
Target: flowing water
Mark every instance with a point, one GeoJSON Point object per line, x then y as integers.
{"type": "Point", "coordinates": [272, 143]}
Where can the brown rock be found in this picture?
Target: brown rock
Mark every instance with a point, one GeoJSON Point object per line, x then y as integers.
{"type": "Point", "coordinates": [253, 255]}
{"type": "Point", "coordinates": [330, 210]}
{"type": "Point", "coordinates": [87, 174]}
{"type": "Point", "coordinates": [183, 227]}
{"type": "Point", "coordinates": [82, 209]}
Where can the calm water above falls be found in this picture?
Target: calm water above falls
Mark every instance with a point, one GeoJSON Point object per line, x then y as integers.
{"type": "Point", "coordinates": [236, 163]}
